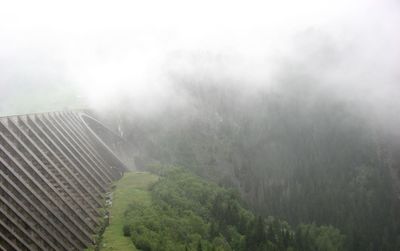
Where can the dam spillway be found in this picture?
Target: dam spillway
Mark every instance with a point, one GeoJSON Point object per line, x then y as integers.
{"type": "Point", "coordinates": [55, 170]}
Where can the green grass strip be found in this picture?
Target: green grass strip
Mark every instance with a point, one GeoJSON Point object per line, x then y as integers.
{"type": "Point", "coordinates": [132, 188]}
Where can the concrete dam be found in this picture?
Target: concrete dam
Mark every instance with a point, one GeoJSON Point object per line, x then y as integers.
{"type": "Point", "coordinates": [55, 171]}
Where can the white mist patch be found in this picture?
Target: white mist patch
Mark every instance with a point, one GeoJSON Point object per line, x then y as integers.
{"type": "Point", "coordinates": [126, 53]}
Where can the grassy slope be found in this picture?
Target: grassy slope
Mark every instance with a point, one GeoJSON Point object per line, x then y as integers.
{"type": "Point", "coordinates": [133, 187]}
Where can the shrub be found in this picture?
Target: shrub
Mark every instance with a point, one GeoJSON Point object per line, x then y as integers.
{"type": "Point", "coordinates": [127, 230]}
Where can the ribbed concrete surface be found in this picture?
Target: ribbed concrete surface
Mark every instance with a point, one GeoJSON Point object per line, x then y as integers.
{"type": "Point", "coordinates": [54, 172]}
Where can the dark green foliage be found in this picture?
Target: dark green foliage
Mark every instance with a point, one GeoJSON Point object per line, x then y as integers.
{"type": "Point", "coordinates": [313, 238]}
{"type": "Point", "coordinates": [127, 230]}
{"type": "Point", "coordinates": [297, 153]}
{"type": "Point", "coordinates": [188, 213]}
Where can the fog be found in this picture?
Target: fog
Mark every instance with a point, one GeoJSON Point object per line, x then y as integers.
{"type": "Point", "coordinates": [104, 53]}
{"type": "Point", "coordinates": [294, 105]}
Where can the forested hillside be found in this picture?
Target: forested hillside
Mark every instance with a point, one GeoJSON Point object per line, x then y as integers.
{"type": "Point", "coordinates": [296, 152]}
{"type": "Point", "coordinates": [179, 211]}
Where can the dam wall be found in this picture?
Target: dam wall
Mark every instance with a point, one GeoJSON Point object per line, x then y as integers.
{"type": "Point", "coordinates": [55, 171]}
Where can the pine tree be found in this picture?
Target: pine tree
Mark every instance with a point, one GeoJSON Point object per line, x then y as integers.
{"type": "Point", "coordinates": [199, 246]}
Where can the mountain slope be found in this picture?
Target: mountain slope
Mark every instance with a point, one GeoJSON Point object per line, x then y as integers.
{"type": "Point", "coordinates": [297, 153]}
{"type": "Point", "coordinates": [180, 211]}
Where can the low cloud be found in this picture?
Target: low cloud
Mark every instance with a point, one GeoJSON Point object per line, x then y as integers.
{"type": "Point", "coordinates": [113, 52]}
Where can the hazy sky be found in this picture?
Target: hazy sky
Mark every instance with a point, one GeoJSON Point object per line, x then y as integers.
{"type": "Point", "coordinates": [105, 49]}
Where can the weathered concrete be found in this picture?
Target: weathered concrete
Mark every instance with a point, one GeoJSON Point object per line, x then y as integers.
{"type": "Point", "coordinates": [55, 169]}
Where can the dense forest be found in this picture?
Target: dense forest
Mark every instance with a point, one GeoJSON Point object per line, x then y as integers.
{"type": "Point", "coordinates": [188, 213]}
{"type": "Point", "coordinates": [296, 152]}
